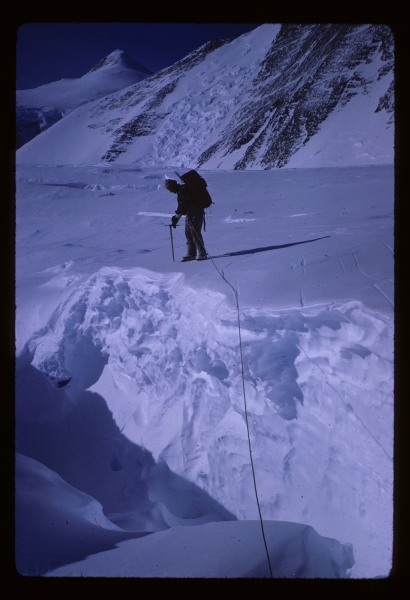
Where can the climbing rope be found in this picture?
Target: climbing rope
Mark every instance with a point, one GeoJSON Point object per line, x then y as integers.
{"type": "Point", "coordinates": [243, 388]}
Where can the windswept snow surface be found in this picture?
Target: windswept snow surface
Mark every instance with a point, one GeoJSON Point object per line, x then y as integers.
{"type": "Point", "coordinates": [129, 398]}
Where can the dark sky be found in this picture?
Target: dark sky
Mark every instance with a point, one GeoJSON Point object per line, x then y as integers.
{"type": "Point", "coordinates": [51, 51]}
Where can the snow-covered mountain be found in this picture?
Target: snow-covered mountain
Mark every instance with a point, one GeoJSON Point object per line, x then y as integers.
{"type": "Point", "coordinates": [142, 383]}
{"type": "Point", "coordinates": [41, 107]}
{"type": "Point", "coordinates": [281, 95]}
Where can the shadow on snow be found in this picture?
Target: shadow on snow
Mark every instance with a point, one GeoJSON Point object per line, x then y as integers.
{"type": "Point", "coordinates": [266, 248]}
{"type": "Point", "coordinates": [75, 462]}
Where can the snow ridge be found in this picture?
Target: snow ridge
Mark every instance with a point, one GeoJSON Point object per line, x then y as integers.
{"type": "Point", "coordinates": [121, 59]}
{"type": "Point", "coordinates": [40, 108]}
{"type": "Point", "coordinates": [140, 340]}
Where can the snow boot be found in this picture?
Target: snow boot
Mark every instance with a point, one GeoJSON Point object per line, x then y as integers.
{"type": "Point", "coordinates": [202, 257]}
{"type": "Point", "coordinates": [187, 258]}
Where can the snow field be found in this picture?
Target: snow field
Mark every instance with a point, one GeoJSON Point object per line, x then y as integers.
{"type": "Point", "coordinates": [153, 345]}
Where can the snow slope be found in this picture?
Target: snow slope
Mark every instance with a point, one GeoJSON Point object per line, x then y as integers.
{"type": "Point", "coordinates": [219, 550]}
{"type": "Point", "coordinates": [129, 392]}
{"type": "Point", "coordinates": [281, 95]}
{"type": "Point", "coordinates": [39, 108]}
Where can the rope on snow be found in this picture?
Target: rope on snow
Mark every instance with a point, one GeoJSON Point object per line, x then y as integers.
{"type": "Point", "coordinates": [244, 393]}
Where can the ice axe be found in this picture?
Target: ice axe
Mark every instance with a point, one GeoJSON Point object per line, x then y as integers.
{"type": "Point", "coordinates": [172, 242]}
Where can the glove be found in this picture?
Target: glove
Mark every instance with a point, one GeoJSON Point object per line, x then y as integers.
{"type": "Point", "coordinates": [174, 221]}
{"type": "Point", "coordinates": [171, 185]}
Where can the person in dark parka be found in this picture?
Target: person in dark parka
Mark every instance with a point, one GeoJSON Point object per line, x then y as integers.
{"type": "Point", "coordinates": [193, 221]}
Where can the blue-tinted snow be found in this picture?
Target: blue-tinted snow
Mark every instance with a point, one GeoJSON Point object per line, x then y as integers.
{"type": "Point", "coordinates": [149, 434]}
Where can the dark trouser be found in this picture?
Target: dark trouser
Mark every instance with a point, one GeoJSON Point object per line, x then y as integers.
{"type": "Point", "coordinates": [194, 241]}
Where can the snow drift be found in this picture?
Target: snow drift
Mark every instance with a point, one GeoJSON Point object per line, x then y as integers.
{"type": "Point", "coordinates": [222, 550]}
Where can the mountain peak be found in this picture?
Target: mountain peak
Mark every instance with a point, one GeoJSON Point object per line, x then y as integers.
{"type": "Point", "coordinates": [279, 96]}
{"type": "Point", "coordinates": [119, 58]}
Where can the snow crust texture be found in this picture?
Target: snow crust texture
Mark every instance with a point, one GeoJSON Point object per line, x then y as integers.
{"type": "Point", "coordinates": [274, 97]}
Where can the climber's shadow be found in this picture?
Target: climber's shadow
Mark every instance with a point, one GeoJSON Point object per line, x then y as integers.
{"type": "Point", "coordinates": [266, 248]}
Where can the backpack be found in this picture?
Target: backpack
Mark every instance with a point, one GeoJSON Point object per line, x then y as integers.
{"type": "Point", "coordinates": [198, 185]}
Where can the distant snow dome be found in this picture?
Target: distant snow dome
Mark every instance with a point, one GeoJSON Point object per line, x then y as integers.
{"type": "Point", "coordinates": [41, 107]}
{"type": "Point", "coordinates": [119, 57]}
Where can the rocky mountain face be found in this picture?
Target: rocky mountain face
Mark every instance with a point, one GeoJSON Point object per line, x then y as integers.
{"type": "Point", "coordinates": [39, 108]}
{"type": "Point", "coordinates": [250, 103]}
{"type": "Point", "coordinates": [306, 73]}
{"type": "Point", "coordinates": [151, 98]}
